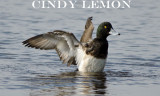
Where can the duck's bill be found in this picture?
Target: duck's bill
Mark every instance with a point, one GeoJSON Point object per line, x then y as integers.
{"type": "Point", "coordinates": [113, 32]}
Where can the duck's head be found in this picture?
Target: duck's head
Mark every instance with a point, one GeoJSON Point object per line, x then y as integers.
{"type": "Point", "coordinates": [105, 29]}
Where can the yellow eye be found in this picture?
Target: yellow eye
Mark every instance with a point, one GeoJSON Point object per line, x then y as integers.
{"type": "Point", "coordinates": [105, 27]}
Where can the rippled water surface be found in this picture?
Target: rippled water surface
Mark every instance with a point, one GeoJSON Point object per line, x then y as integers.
{"type": "Point", "coordinates": [133, 63]}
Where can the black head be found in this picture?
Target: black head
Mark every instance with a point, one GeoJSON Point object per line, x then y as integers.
{"type": "Point", "coordinates": [104, 29]}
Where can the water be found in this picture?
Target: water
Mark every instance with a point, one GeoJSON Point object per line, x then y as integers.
{"type": "Point", "coordinates": [133, 63]}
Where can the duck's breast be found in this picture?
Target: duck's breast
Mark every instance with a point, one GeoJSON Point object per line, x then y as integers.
{"type": "Point", "coordinates": [88, 63]}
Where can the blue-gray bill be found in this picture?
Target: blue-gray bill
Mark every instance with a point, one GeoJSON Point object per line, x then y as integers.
{"type": "Point", "coordinates": [113, 32]}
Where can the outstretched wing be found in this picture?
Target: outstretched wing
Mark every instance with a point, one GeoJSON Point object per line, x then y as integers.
{"type": "Point", "coordinates": [63, 42]}
{"type": "Point", "coordinates": [87, 34]}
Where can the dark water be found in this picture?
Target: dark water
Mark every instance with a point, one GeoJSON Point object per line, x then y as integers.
{"type": "Point", "coordinates": [133, 63]}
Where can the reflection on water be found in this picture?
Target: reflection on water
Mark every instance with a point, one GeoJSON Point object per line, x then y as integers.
{"type": "Point", "coordinates": [73, 83]}
{"type": "Point", "coordinates": [70, 83]}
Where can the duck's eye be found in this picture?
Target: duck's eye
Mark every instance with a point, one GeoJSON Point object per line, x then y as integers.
{"type": "Point", "coordinates": [105, 27]}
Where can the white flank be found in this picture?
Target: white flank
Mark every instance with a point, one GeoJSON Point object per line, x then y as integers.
{"type": "Point", "coordinates": [88, 63]}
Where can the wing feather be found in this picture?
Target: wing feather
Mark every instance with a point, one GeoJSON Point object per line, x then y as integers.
{"type": "Point", "coordinates": [63, 42]}
{"type": "Point", "coordinates": [87, 34]}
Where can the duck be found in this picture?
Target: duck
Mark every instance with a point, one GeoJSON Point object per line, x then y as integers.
{"type": "Point", "coordinates": [88, 54]}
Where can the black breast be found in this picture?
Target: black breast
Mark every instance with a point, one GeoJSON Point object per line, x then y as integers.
{"type": "Point", "coordinates": [98, 48]}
